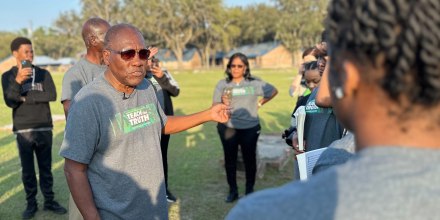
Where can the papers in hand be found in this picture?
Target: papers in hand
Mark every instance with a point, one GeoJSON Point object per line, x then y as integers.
{"type": "Point", "coordinates": [300, 116]}
{"type": "Point", "coordinates": [306, 162]}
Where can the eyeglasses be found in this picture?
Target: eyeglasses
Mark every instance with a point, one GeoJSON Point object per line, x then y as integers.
{"type": "Point", "coordinates": [129, 54]}
{"type": "Point", "coordinates": [232, 66]}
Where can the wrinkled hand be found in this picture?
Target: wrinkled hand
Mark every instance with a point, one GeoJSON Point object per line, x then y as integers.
{"type": "Point", "coordinates": [23, 74]}
{"type": "Point", "coordinates": [220, 113]}
{"type": "Point", "coordinates": [295, 145]}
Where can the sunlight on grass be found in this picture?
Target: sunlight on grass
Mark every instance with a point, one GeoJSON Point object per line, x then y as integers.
{"type": "Point", "coordinates": [8, 194]}
{"type": "Point", "coordinates": [3, 178]}
{"type": "Point", "coordinates": [174, 211]}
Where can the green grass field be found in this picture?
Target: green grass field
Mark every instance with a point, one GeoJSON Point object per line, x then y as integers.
{"type": "Point", "coordinates": [196, 175]}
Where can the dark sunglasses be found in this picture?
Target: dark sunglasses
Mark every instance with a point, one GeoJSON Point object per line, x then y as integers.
{"type": "Point", "coordinates": [129, 54]}
{"type": "Point", "coordinates": [236, 66]}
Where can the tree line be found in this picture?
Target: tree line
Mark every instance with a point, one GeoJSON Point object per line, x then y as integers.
{"type": "Point", "coordinates": [177, 24]}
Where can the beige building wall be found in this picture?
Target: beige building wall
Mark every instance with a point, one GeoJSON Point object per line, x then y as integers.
{"type": "Point", "coordinates": [279, 57]}
{"type": "Point", "coordinates": [194, 63]}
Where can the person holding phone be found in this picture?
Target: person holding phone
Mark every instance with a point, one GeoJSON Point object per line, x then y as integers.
{"type": "Point", "coordinates": [28, 89]}
{"type": "Point", "coordinates": [166, 87]}
{"type": "Point", "coordinates": [243, 128]}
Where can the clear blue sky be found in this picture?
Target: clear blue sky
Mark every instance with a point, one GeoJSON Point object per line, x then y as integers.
{"type": "Point", "coordinates": [18, 14]}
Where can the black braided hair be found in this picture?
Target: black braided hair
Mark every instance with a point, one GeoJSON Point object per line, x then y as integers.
{"type": "Point", "coordinates": [402, 36]}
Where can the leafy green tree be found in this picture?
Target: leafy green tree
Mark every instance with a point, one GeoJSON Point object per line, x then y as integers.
{"type": "Point", "coordinates": [300, 22]}
{"type": "Point", "coordinates": [109, 10]}
{"type": "Point", "coordinates": [258, 23]}
{"type": "Point", "coordinates": [68, 28]}
{"type": "Point", "coordinates": [5, 44]}
{"type": "Point", "coordinates": [174, 23]}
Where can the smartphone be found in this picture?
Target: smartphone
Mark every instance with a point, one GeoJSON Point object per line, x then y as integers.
{"type": "Point", "coordinates": [155, 62]}
{"type": "Point", "coordinates": [26, 64]}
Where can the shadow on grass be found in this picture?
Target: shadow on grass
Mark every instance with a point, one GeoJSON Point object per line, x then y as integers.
{"type": "Point", "coordinates": [4, 141]}
{"type": "Point", "coordinates": [12, 199]}
{"type": "Point", "coordinates": [197, 176]}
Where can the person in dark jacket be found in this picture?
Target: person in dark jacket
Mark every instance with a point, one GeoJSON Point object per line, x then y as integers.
{"type": "Point", "coordinates": [165, 87]}
{"type": "Point", "coordinates": [28, 89]}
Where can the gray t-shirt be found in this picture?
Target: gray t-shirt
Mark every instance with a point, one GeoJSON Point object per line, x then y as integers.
{"type": "Point", "coordinates": [81, 74]}
{"type": "Point", "coordinates": [379, 183]}
{"type": "Point", "coordinates": [244, 101]}
{"type": "Point", "coordinates": [321, 127]}
{"type": "Point", "coordinates": [119, 139]}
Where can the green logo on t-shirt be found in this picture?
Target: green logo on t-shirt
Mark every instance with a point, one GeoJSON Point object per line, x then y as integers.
{"type": "Point", "coordinates": [312, 108]}
{"type": "Point", "coordinates": [137, 118]}
{"type": "Point", "coordinates": [248, 90]}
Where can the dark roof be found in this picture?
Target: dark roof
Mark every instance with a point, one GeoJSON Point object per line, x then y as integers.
{"type": "Point", "coordinates": [254, 50]}
{"type": "Point", "coordinates": [167, 55]}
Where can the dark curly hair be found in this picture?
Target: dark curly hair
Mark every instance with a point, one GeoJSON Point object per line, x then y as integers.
{"type": "Point", "coordinates": [400, 36]}
{"type": "Point", "coordinates": [244, 59]}
{"type": "Point", "coordinates": [17, 42]}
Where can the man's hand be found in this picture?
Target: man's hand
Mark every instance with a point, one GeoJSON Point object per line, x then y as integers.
{"type": "Point", "coordinates": [23, 74]}
{"type": "Point", "coordinates": [220, 113]}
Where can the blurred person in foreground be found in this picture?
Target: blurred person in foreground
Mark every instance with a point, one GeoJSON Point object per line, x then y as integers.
{"type": "Point", "coordinates": [28, 89]}
{"type": "Point", "coordinates": [385, 83]}
{"type": "Point", "coordinates": [83, 72]}
{"type": "Point", "coordinates": [114, 170]}
{"type": "Point", "coordinates": [243, 129]}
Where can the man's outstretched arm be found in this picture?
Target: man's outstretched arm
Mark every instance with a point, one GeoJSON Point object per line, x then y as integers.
{"type": "Point", "coordinates": [218, 113]}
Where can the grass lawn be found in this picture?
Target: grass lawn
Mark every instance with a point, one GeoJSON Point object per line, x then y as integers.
{"type": "Point", "coordinates": [196, 175]}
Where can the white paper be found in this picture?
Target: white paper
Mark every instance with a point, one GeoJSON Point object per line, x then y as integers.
{"type": "Point", "coordinates": [306, 162]}
{"type": "Point", "coordinates": [300, 116]}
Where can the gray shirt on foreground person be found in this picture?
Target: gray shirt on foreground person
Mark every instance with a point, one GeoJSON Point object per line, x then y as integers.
{"type": "Point", "coordinates": [380, 182]}
{"type": "Point", "coordinates": [119, 137]}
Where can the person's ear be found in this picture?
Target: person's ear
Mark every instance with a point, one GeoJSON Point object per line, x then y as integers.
{"type": "Point", "coordinates": [106, 57]}
{"type": "Point", "coordinates": [352, 78]}
{"type": "Point", "coordinates": [15, 53]}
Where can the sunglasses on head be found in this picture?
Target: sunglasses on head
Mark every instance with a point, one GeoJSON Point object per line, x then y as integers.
{"type": "Point", "coordinates": [239, 66]}
{"type": "Point", "coordinates": [129, 54]}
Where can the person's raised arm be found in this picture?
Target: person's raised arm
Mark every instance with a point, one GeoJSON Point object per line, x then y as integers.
{"type": "Point", "coordinates": [323, 95]}
{"type": "Point", "coordinates": [47, 95]}
{"type": "Point", "coordinates": [76, 175]}
{"type": "Point", "coordinates": [217, 112]}
{"type": "Point", "coordinates": [11, 91]}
